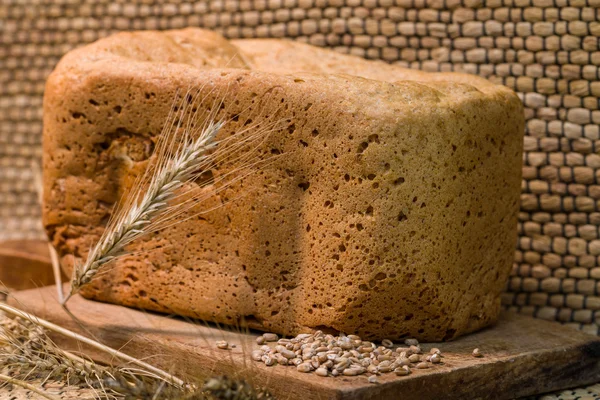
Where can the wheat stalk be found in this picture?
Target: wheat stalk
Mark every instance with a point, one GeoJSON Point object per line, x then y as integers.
{"type": "Point", "coordinates": [115, 353]}
{"type": "Point", "coordinates": [28, 355]}
{"type": "Point", "coordinates": [39, 188]}
{"type": "Point", "coordinates": [25, 385]}
{"type": "Point", "coordinates": [172, 173]}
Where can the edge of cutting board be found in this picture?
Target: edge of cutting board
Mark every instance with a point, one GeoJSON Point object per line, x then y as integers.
{"type": "Point", "coordinates": [523, 356]}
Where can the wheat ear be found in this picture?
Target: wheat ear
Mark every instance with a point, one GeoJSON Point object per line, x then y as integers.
{"type": "Point", "coordinates": [28, 354]}
{"type": "Point", "coordinates": [25, 385]}
{"type": "Point", "coordinates": [115, 353]}
{"type": "Point", "coordinates": [172, 173]}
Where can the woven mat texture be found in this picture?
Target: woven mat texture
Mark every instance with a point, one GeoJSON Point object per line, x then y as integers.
{"type": "Point", "coordinates": [546, 50]}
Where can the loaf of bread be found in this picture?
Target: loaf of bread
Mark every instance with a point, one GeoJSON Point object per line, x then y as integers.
{"type": "Point", "coordinates": [387, 208]}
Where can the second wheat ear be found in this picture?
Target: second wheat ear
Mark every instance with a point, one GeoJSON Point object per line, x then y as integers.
{"type": "Point", "coordinates": [175, 168]}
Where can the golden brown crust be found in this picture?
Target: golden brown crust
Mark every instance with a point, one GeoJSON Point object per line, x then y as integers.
{"type": "Point", "coordinates": [392, 213]}
{"type": "Point", "coordinates": [286, 56]}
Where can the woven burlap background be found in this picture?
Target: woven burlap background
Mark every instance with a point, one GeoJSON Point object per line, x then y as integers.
{"type": "Point", "coordinates": [547, 50]}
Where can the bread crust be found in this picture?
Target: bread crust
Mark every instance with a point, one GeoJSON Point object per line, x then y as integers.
{"type": "Point", "coordinates": [392, 212]}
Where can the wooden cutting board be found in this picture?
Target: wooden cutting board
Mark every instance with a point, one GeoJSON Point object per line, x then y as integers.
{"type": "Point", "coordinates": [523, 356]}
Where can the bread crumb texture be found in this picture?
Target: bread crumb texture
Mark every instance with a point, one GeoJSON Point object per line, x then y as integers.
{"type": "Point", "coordinates": [386, 205]}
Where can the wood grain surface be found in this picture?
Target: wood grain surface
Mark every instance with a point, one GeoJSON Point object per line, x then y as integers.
{"type": "Point", "coordinates": [25, 264]}
{"type": "Point", "coordinates": [523, 356]}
